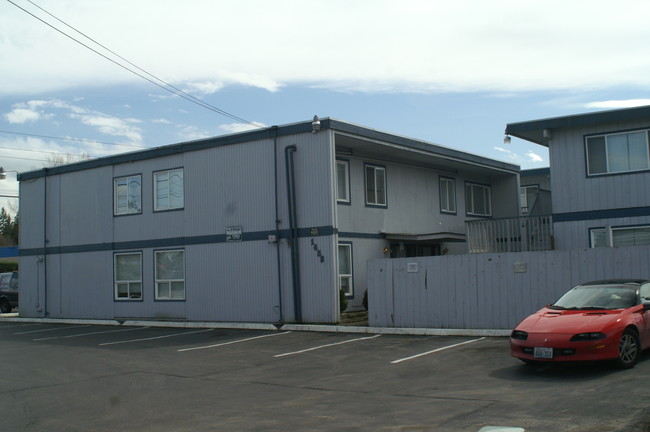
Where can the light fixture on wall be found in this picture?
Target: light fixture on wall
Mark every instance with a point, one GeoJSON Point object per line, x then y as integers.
{"type": "Point", "coordinates": [507, 139]}
{"type": "Point", "coordinates": [3, 173]}
{"type": "Point", "coordinates": [315, 125]}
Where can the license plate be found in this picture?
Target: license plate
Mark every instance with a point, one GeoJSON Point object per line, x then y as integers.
{"type": "Point", "coordinates": [543, 352]}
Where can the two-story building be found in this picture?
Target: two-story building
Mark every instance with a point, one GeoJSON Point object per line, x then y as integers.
{"type": "Point", "coordinates": [261, 226]}
{"type": "Point", "coordinates": [599, 174]}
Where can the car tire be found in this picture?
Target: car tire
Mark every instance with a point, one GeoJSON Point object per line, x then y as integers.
{"type": "Point", "coordinates": [629, 349]}
{"type": "Point", "coordinates": [5, 307]}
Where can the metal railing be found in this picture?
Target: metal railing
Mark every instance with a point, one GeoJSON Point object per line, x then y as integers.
{"type": "Point", "coordinates": [519, 234]}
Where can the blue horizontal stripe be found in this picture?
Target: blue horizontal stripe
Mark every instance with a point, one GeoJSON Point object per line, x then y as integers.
{"type": "Point", "coordinates": [601, 214]}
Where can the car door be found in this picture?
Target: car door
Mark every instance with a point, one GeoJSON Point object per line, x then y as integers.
{"type": "Point", "coordinates": [644, 293]}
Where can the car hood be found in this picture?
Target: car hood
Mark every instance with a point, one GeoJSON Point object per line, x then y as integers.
{"type": "Point", "coordinates": [568, 321]}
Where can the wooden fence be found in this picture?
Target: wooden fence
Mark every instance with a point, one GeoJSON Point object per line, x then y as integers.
{"type": "Point", "coordinates": [487, 291]}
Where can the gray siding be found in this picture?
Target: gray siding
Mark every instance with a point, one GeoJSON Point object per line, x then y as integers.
{"type": "Point", "coordinates": [568, 167]}
{"type": "Point", "coordinates": [232, 185]}
{"type": "Point", "coordinates": [484, 291]}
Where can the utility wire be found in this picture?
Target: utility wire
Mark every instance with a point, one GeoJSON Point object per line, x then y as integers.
{"type": "Point", "coordinates": [70, 139]}
{"type": "Point", "coordinates": [44, 151]}
{"type": "Point", "coordinates": [165, 85]}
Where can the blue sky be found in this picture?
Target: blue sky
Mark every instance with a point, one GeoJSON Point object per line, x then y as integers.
{"type": "Point", "coordinates": [450, 72]}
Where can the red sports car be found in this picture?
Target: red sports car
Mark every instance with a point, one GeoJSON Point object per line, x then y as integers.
{"type": "Point", "coordinates": [598, 320]}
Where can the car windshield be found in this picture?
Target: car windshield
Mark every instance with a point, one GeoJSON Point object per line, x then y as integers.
{"type": "Point", "coordinates": [594, 297]}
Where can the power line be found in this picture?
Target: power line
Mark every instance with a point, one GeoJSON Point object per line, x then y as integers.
{"type": "Point", "coordinates": [165, 85]}
{"type": "Point", "coordinates": [44, 151]}
{"type": "Point", "coordinates": [70, 139]}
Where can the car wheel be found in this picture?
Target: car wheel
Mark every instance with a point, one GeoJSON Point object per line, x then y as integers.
{"type": "Point", "coordinates": [5, 307]}
{"type": "Point", "coordinates": [629, 349]}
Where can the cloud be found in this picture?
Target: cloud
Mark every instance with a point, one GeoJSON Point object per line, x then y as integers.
{"type": "Point", "coordinates": [530, 156]}
{"type": "Point", "coordinates": [626, 103]}
{"type": "Point", "coordinates": [474, 45]}
{"type": "Point", "coordinates": [240, 127]}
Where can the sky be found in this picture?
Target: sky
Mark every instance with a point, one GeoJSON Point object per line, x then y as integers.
{"type": "Point", "coordinates": [449, 72]}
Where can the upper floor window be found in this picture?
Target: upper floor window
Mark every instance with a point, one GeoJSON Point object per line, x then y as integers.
{"type": "Point", "coordinates": [168, 189]}
{"type": "Point", "coordinates": [620, 236]}
{"type": "Point", "coordinates": [477, 200]}
{"type": "Point", "coordinates": [375, 185]}
{"type": "Point", "coordinates": [342, 181]}
{"type": "Point", "coordinates": [527, 196]}
{"type": "Point", "coordinates": [447, 195]}
{"type": "Point", "coordinates": [127, 194]}
{"type": "Point", "coordinates": [615, 153]}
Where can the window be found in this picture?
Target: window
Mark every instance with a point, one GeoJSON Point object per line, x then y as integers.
{"type": "Point", "coordinates": [621, 236]}
{"type": "Point", "coordinates": [127, 194]}
{"type": "Point", "coordinates": [345, 268]}
{"type": "Point", "coordinates": [170, 275]}
{"type": "Point", "coordinates": [128, 276]}
{"type": "Point", "coordinates": [168, 189]}
{"type": "Point", "coordinates": [617, 153]}
{"type": "Point", "coordinates": [527, 196]}
{"type": "Point", "coordinates": [477, 200]}
{"type": "Point", "coordinates": [447, 195]}
{"type": "Point", "coordinates": [342, 181]}
{"type": "Point", "coordinates": [375, 185]}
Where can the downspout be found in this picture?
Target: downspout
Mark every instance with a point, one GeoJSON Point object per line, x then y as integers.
{"type": "Point", "coordinates": [293, 235]}
{"type": "Point", "coordinates": [274, 129]}
{"type": "Point", "coordinates": [45, 243]}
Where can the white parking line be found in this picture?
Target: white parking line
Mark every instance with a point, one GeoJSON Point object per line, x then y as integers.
{"type": "Point", "coordinates": [52, 329]}
{"type": "Point", "coordinates": [232, 342]}
{"type": "Point", "coordinates": [436, 350]}
{"type": "Point", "coordinates": [155, 337]}
{"type": "Point", "coordinates": [325, 346]}
{"type": "Point", "coordinates": [89, 334]}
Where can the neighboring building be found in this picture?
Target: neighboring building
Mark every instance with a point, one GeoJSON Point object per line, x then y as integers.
{"type": "Point", "coordinates": [535, 192]}
{"type": "Point", "coordinates": [260, 226]}
{"type": "Point", "coordinates": [599, 172]}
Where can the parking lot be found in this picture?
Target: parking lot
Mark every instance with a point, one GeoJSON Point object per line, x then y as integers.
{"type": "Point", "coordinates": [62, 377]}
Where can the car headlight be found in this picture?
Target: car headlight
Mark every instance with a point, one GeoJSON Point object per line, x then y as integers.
{"type": "Point", "coordinates": [581, 337]}
{"type": "Point", "coordinates": [518, 334]}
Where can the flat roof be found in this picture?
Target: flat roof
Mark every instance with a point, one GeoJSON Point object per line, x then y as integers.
{"type": "Point", "coordinates": [533, 130]}
{"type": "Point", "coordinates": [269, 133]}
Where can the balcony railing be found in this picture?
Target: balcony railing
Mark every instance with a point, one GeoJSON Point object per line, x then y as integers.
{"type": "Point", "coordinates": [519, 234]}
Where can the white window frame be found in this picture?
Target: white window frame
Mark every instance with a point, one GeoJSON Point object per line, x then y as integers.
{"type": "Point", "coordinates": [124, 191]}
{"type": "Point", "coordinates": [345, 188]}
{"type": "Point", "coordinates": [168, 174]}
{"type": "Point", "coordinates": [376, 191]}
{"type": "Point", "coordinates": [131, 291]}
{"type": "Point", "coordinates": [608, 161]}
{"type": "Point", "coordinates": [162, 282]}
{"type": "Point", "coordinates": [471, 189]}
{"type": "Point", "coordinates": [610, 238]}
{"type": "Point", "coordinates": [523, 197]}
{"type": "Point", "coordinates": [447, 184]}
{"type": "Point", "coordinates": [346, 276]}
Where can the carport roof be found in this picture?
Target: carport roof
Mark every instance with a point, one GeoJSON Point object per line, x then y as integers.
{"type": "Point", "coordinates": [533, 130]}
{"type": "Point", "coordinates": [351, 131]}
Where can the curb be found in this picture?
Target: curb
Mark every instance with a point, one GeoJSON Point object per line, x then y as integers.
{"type": "Point", "coordinates": [269, 327]}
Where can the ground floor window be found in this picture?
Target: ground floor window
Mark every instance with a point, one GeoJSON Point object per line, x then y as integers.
{"type": "Point", "coordinates": [345, 268]}
{"type": "Point", "coordinates": [170, 275]}
{"type": "Point", "coordinates": [128, 276]}
{"type": "Point", "coordinates": [620, 236]}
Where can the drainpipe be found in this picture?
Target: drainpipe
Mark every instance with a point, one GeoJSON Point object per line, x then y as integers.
{"type": "Point", "coordinates": [45, 243]}
{"type": "Point", "coordinates": [274, 129]}
{"type": "Point", "coordinates": [293, 226]}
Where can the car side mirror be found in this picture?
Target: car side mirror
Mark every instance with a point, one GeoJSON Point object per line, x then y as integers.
{"type": "Point", "coordinates": [646, 306]}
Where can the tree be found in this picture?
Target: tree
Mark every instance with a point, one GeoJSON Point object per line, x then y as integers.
{"type": "Point", "coordinates": [8, 228]}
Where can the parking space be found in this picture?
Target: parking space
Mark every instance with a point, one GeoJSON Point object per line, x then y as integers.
{"type": "Point", "coordinates": [106, 378]}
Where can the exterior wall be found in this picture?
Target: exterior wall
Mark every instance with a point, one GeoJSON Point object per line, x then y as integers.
{"type": "Point", "coordinates": [229, 185]}
{"type": "Point", "coordinates": [413, 207]}
{"type": "Point", "coordinates": [608, 193]}
{"type": "Point", "coordinates": [488, 291]}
